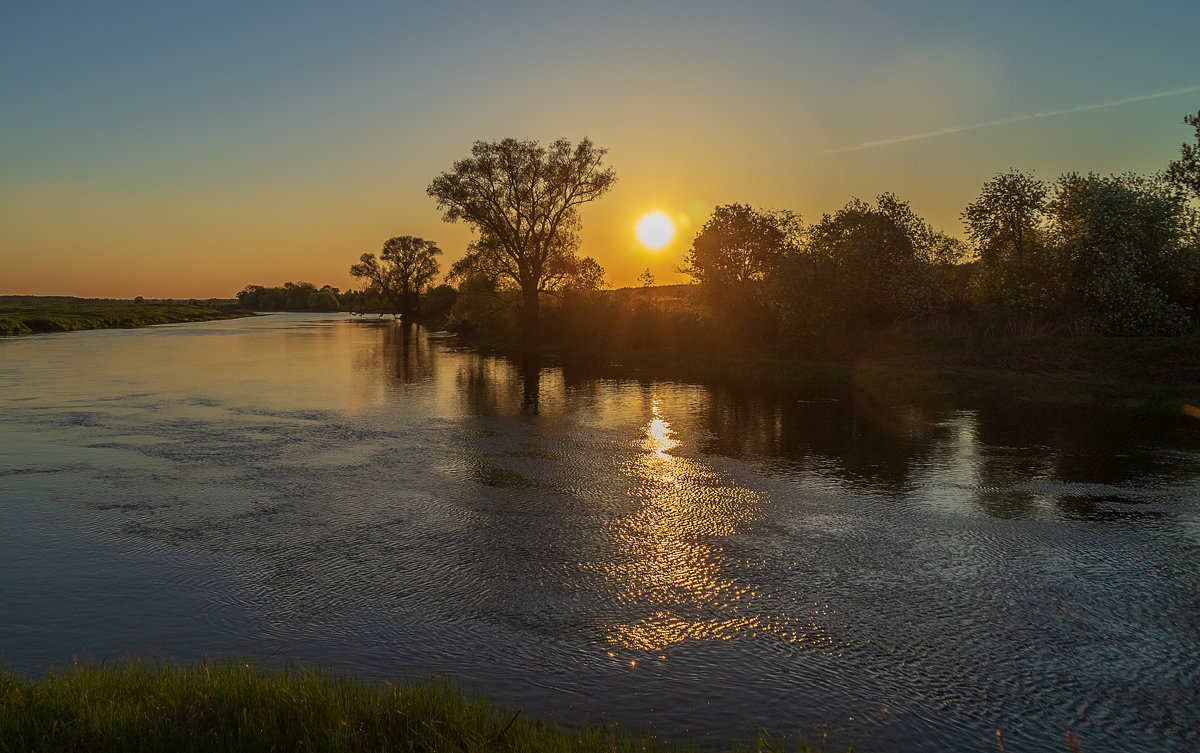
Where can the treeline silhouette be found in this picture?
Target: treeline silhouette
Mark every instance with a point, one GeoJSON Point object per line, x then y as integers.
{"type": "Point", "coordinates": [1114, 255]}
{"type": "Point", "coordinates": [435, 303]}
{"type": "Point", "coordinates": [1086, 255]}
{"type": "Point", "coordinates": [294, 296]}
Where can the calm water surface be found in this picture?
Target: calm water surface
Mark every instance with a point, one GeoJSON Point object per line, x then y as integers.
{"type": "Point", "coordinates": [323, 490]}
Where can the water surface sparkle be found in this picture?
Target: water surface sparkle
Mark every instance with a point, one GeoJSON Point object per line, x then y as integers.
{"type": "Point", "coordinates": [349, 493]}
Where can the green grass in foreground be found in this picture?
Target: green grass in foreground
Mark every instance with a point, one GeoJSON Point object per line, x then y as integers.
{"type": "Point", "coordinates": [237, 707]}
{"type": "Point", "coordinates": [74, 315]}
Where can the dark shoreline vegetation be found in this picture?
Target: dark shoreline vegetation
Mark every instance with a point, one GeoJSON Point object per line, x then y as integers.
{"type": "Point", "coordinates": [235, 706]}
{"type": "Point", "coordinates": [24, 315]}
{"type": "Point", "coordinates": [659, 333]}
{"type": "Point", "coordinates": [663, 333]}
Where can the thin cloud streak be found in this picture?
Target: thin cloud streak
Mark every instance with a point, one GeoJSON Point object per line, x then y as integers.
{"type": "Point", "coordinates": [1009, 120]}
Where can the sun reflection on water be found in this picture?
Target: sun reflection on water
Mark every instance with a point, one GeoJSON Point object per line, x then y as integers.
{"type": "Point", "coordinates": [660, 438]}
{"type": "Point", "coordinates": [672, 571]}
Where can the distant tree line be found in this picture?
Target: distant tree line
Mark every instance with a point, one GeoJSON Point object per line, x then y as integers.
{"type": "Point", "coordinates": [433, 303]}
{"type": "Point", "coordinates": [293, 296]}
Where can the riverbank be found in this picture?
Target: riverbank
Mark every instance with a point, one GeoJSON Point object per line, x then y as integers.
{"type": "Point", "coordinates": [24, 315]}
{"type": "Point", "coordinates": [238, 707]}
{"type": "Point", "coordinates": [1136, 372]}
{"type": "Point", "coordinates": [668, 332]}
{"type": "Point", "coordinates": [1128, 372]}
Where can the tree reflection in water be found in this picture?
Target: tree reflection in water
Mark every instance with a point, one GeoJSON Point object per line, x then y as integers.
{"type": "Point", "coordinates": [531, 375]}
{"type": "Point", "coordinates": [965, 566]}
{"type": "Point", "coordinates": [402, 352]}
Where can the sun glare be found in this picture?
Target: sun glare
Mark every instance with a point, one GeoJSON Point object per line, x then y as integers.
{"type": "Point", "coordinates": [655, 230]}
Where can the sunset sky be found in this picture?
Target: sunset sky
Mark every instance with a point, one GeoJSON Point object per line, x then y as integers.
{"type": "Point", "coordinates": [189, 149]}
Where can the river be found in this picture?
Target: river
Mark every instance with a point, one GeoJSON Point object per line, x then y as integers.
{"type": "Point", "coordinates": [317, 489]}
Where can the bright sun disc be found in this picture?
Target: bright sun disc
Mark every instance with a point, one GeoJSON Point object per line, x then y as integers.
{"type": "Point", "coordinates": [655, 230]}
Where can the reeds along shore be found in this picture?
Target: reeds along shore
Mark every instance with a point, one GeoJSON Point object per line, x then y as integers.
{"type": "Point", "coordinates": [235, 706]}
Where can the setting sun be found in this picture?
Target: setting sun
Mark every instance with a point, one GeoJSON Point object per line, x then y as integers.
{"type": "Point", "coordinates": [655, 230]}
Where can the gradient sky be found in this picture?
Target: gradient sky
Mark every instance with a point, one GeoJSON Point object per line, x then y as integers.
{"type": "Point", "coordinates": [188, 149]}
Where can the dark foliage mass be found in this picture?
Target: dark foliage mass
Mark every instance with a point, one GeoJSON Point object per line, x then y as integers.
{"type": "Point", "coordinates": [1114, 255]}
{"type": "Point", "coordinates": [433, 305]}
{"type": "Point", "coordinates": [291, 296]}
{"type": "Point", "coordinates": [401, 275]}
{"type": "Point", "coordinates": [737, 258]}
{"type": "Point", "coordinates": [765, 277]}
{"type": "Point", "coordinates": [1127, 248]}
{"type": "Point", "coordinates": [523, 199]}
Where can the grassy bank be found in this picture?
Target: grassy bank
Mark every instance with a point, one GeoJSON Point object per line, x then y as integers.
{"type": "Point", "coordinates": [30, 315]}
{"type": "Point", "coordinates": [236, 707]}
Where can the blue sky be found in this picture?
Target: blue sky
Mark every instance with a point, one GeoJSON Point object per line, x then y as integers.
{"type": "Point", "coordinates": [189, 149]}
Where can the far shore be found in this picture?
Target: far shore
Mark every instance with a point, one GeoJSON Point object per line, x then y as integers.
{"type": "Point", "coordinates": [914, 365]}
{"type": "Point", "coordinates": [26, 315]}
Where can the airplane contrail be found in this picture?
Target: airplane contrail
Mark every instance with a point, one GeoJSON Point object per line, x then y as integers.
{"type": "Point", "coordinates": [1008, 120]}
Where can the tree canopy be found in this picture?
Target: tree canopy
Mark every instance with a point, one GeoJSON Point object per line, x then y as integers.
{"type": "Point", "coordinates": [523, 199]}
{"type": "Point", "coordinates": [1018, 271]}
{"type": "Point", "coordinates": [740, 245]}
{"type": "Point", "coordinates": [734, 256]}
{"type": "Point", "coordinates": [873, 263]}
{"type": "Point", "coordinates": [1007, 216]}
{"type": "Point", "coordinates": [1115, 255]}
{"type": "Point", "coordinates": [291, 296]}
{"type": "Point", "coordinates": [405, 268]}
{"type": "Point", "coordinates": [1126, 242]}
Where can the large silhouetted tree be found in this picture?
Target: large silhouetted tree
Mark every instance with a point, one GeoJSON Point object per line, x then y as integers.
{"type": "Point", "coordinates": [1006, 219]}
{"type": "Point", "coordinates": [405, 268]}
{"type": "Point", "coordinates": [523, 199]}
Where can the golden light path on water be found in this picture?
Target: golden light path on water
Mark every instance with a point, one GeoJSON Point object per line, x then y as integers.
{"type": "Point", "coordinates": [671, 556]}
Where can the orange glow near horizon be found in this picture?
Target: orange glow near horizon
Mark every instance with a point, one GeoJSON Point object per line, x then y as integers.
{"type": "Point", "coordinates": [127, 171]}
